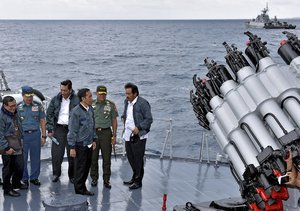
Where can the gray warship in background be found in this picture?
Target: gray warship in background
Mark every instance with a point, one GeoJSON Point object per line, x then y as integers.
{"type": "Point", "coordinates": [263, 21]}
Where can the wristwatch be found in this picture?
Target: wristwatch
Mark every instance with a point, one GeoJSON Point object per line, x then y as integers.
{"type": "Point", "coordinates": [44, 136]}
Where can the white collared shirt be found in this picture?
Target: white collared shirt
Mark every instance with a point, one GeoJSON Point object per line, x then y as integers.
{"type": "Point", "coordinates": [63, 116]}
{"type": "Point", "coordinates": [86, 107]}
{"type": "Point", "coordinates": [129, 123]}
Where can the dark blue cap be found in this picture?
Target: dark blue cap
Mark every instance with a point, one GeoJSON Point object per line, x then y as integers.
{"type": "Point", "coordinates": [27, 91]}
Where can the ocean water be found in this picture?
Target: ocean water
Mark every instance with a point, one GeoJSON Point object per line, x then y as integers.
{"type": "Point", "coordinates": [161, 57]}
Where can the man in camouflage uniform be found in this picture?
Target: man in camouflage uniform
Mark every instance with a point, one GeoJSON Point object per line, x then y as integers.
{"type": "Point", "coordinates": [106, 128]}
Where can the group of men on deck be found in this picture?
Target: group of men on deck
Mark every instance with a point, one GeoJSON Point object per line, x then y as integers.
{"type": "Point", "coordinates": [80, 125]}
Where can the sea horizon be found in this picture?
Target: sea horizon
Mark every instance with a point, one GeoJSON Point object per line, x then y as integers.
{"type": "Point", "coordinates": [160, 56]}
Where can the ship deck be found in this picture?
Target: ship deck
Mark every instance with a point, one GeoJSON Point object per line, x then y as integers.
{"type": "Point", "coordinates": [182, 180]}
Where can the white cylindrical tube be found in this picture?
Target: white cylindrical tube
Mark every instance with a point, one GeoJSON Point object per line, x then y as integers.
{"type": "Point", "coordinates": [283, 125]}
{"type": "Point", "coordinates": [227, 120]}
{"type": "Point", "coordinates": [257, 129]}
{"type": "Point", "coordinates": [265, 103]}
{"type": "Point", "coordinates": [226, 147]}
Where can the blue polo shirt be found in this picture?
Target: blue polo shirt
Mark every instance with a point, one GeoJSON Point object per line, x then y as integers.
{"type": "Point", "coordinates": [31, 115]}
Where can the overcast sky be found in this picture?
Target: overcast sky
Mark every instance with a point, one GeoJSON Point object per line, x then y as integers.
{"type": "Point", "coordinates": [145, 9]}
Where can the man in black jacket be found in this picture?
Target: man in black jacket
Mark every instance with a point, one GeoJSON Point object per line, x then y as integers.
{"type": "Point", "coordinates": [137, 119]}
{"type": "Point", "coordinates": [57, 118]}
{"type": "Point", "coordinates": [82, 139]}
{"type": "Point", "coordinates": [11, 147]}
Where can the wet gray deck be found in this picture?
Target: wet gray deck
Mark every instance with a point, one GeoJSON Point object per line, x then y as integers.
{"type": "Point", "coordinates": [182, 181]}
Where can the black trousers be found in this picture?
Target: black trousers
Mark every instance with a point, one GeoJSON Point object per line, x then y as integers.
{"type": "Point", "coordinates": [135, 155]}
{"type": "Point", "coordinates": [12, 171]}
{"type": "Point", "coordinates": [82, 164]}
{"type": "Point", "coordinates": [58, 152]}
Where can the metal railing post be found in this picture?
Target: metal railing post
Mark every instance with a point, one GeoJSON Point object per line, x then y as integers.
{"type": "Point", "coordinates": [207, 150]}
{"type": "Point", "coordinates": [165, 143]}
{"type": "Point", "coordinates": [202, 146]}
{"type": "Point", "coordinates": [169, 140]}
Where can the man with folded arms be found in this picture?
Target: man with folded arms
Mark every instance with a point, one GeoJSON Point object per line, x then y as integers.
{"type": "Point", "coordinates": [13, 162]}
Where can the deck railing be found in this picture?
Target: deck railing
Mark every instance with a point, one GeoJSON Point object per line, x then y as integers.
{"type": "Point", "coordinates": [204, 148]}
{"type": "Point", "coordinates": [167, 141]}
{"type": "Point", "coordinates": [207, 153]}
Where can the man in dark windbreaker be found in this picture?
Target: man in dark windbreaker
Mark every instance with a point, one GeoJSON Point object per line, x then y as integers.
{"type": "Point", "coordinates": [137, 119]}
{"type": "Point", "coordinates": [11, 147]}
{"type": "Point", "coordinates": [57, 118]}
{"type": "Point", "coordinates": [82, 140]}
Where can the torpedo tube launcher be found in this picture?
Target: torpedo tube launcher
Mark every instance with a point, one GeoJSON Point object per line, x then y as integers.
{"type": "Point", "coordinates": [253, 108]}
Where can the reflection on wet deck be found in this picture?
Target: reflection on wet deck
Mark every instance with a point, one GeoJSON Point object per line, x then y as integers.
{"type": "Point", "coordinates": [182, 181]}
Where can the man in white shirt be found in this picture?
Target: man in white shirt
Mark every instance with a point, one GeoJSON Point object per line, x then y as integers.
{"type": "Point", "coordinates": [137, 119]}
{"type": "Point", "coordinates": [57, 117]}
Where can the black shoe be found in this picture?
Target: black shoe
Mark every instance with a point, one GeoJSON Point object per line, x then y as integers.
{"type": "Point", "coordinates": [128, 182]}
{"type": "Point", "coordinates": [22, 186]}
{"type": "Point", "coordinates": [94, 182]}
{"type": "Point", "coordinates": [87, 193]}
{"type": "Point", "coordinates": [55, 178]}
{"type": "Point", "coordinates": [135, 186]}
{"type": "Point", "coordinates": [35, 182]}
{"type": "Point", "coordinates": [72, 180]}
{"type": "Point", "coordinates": [12, 193]}
{"type": "Point", "coordinates": [107, 184]}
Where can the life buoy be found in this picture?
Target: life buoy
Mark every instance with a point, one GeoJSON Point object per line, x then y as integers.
{"type": "Point", "coordinates": [39, 94]}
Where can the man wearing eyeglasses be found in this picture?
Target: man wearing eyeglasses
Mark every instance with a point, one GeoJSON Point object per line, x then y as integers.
{"type": "Point", "coordinates": [33, 121]}
{"type": "Point", "coordinates": [11, 147]}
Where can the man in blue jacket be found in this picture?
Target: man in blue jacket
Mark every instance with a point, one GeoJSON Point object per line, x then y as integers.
{"type": "Point", "coordinates": [57, 117]}
{"type": "Point", "coordinates": [11, 147]}
{"type": "Point", "coordinates": [82, 139]}
{"type": "Point", "coordinates": [137, 119]}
